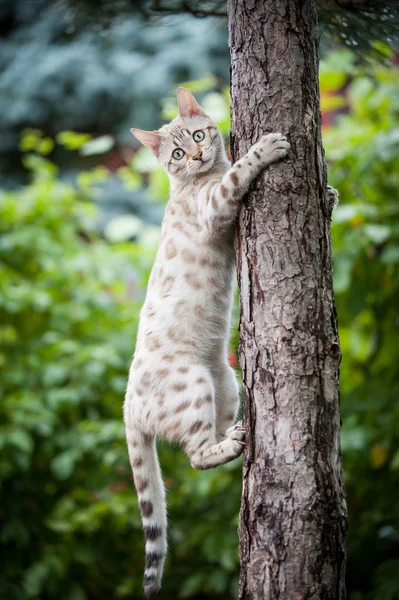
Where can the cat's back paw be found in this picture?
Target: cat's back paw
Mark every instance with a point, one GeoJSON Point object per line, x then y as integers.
{"type": "Point", "coordinates": [332, 197]}
{"type": "Point", "coordinates": [237, 433]}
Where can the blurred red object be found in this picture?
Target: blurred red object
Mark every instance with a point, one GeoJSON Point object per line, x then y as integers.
{"type": "Point", "coordinates": [232, 358]}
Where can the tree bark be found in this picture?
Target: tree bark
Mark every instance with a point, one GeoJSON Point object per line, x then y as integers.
{"type": "Point", "coordinates": [293, 513]}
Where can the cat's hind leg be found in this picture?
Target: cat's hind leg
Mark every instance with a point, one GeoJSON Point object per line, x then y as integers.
{"type": "Point", "coordinates": [209, 453]}
{"type": "Point", "coordinates": [332, 198]}
{"type": "Point", "coordinates": [191, 419]}
{"type": "Point", "coordinates": [201, 438]}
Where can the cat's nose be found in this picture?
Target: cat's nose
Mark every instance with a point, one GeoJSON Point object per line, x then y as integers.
{"type": "Point", "coordinates": [198, 156]}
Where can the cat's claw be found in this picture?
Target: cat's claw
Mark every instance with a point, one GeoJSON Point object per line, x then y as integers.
{"type": "Point", "coordinates": [237, 433]}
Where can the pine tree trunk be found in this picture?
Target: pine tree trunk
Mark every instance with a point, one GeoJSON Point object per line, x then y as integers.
{"type": "Point", "coordinates": [293, 513]}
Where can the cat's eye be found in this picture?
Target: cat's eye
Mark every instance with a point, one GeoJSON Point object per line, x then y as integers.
{"type": "Point", "coordinates": [178, 153]}
{"type": "Point", "coordinates": [198, 136]}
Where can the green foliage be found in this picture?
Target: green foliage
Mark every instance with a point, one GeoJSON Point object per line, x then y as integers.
{"type": "Point", "coordinates": [363, 153]}
{"type": "Point", "coordinates": [67, 331]}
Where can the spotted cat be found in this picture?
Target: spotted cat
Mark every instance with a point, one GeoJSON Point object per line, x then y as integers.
{"type": "Point", "coordinates": [181, 386]}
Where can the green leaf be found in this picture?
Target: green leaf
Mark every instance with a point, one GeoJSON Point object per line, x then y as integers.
{"type": "Point", "coordinates": [123, 228]}
{"type": "Point", "coordinates": [395, 461]}
{"type": "Point", "coordinates": [20, 439]}
{"type": "Point", "coordinates": [192, 585]}
{"type": "Point", "coordinates": [377, 233]}
{"type": "Point", "coordinates": [130, 179]}
{"type": "Point", "coordinates": [45, 146]}
{"type": "Point", "coordinates": [71, 140]}
{"type": "Point", "coordinates": [86, 179]}
{"type": "Point", "coordinates": [390, 255]}
{"type": "Point", "coordinates": [39, 166]}
{"type": "Point", "coordinates": [34, 579]}
{"type": "Point", "coordinates": [76, 592]}
{"type": "Point", "coordinates": [330, 102]}
{"type": "Point", "coordinates": [144, 161]}
{"type": "Point", "coordinates": [63, 465]}
{"type": "Point", "coordinates": [216, 106]}
{"type": "Point", "coordinates": [331, 81]}
{"type": "Point", "coordinates": [159, 185]}
{"type": "Point", "coordinates": [342, 273]}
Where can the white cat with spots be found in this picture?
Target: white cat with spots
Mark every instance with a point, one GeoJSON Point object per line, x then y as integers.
{"type": "Point", "coordinates": [181, 386]}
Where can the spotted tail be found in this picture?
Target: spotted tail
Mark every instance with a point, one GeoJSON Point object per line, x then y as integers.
{"type": "Point", "coordinates": [151, 495]}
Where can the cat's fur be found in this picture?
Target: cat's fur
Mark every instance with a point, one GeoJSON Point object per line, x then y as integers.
{"type": "Point", "coordinates": [181, 386]}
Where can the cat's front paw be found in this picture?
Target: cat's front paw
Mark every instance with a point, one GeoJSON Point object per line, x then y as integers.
{"type": "Point", "coordinates": [271, 148]}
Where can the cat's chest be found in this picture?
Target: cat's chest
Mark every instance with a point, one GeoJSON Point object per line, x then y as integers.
{"type": "Point", "coordinates": [187, 264]}
{"type": "Point", "coordinates": [184, 201]}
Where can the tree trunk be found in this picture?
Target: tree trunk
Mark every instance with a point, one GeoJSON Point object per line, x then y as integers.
{"type": "Point", "coordinates": [293, 513]}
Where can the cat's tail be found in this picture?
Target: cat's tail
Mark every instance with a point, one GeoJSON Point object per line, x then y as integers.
{"type": "Point", "coordinates": [151, 495]}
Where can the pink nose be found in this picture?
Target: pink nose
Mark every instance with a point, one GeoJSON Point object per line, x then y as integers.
{"type": "Point", "coordinates": [198, 156]}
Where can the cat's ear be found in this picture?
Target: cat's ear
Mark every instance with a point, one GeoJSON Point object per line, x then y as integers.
{"type": "Point", "coordinates": [188, 106]}
{"type": "Point", "coordinates": [151, 139]}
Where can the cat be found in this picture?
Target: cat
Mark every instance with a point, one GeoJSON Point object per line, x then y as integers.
{"type": "Point", "coordinates": [180, 385]}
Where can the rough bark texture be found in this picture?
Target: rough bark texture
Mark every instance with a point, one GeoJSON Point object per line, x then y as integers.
{"type": "Point", "coordinates": [293, 514]}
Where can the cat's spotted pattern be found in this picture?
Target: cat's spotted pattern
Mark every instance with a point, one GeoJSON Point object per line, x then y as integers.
{"type": "Point", "coordinates": [181, 386]}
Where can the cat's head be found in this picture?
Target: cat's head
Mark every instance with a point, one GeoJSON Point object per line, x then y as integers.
{"type": "Point", "coordinates": [189, 145]}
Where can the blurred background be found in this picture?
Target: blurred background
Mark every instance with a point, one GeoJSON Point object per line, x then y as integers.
{"type": "Point", "coordinates": [80, 211]}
